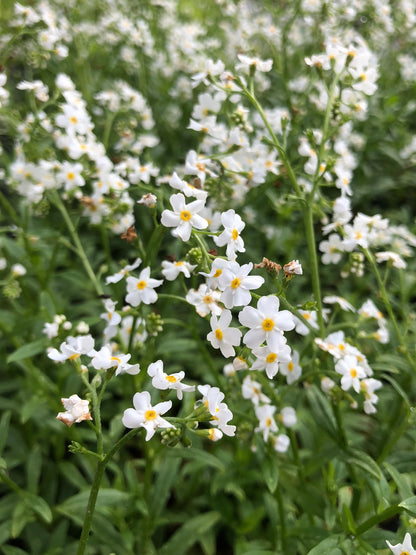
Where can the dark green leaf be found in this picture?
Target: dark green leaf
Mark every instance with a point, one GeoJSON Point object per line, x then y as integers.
{"type": "Point", "coordinates": [184, 538]}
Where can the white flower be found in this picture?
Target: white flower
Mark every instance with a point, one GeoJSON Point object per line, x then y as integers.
{"type": "Point", "coordinates": [212, 399]}
{"type": "Point", "coordinates": [161, 380]}
{"type": "Point", "coordinates": [281, 443]}
{"type": "Point", "coordinates": [269, 357]}
{"type": "Point", "coordinates": [343, 303]}
{"type": "Point", "coordinates": [332, 249]}
{"type": "Point", "coordinates": [145, 415]}
{"type": "Point", "coordinates": [104, 359]}
{"type": "Point", "coordinates": [292, 268]}
{"type": "Point", "coordinates": [351, 373]}
{"type": "Point", "coordinates": [404, 548]}
{"type": "Point", "coordinates": [267, 423]}
{"type": "Point", "coordinates": [287, 417]}
{"type": "Point", "coordinates": [141, 290]}
{"type": "Point", "coordinates": [76, 410]}
{"type": "Point", "coordinates": [217, 268]}
{"type": "Point", "coordinates": [396, 260]}
{"type": "Point", "coordinates": [115, 278]}
{"type": "Point", "coordinates": [233, 225]}
{"type": "Point", "coordinates": [265, 321]}
{"type": "Point", "coordinates": [222, 336]}
{"type": "Point", "coordinates": [148, 200]}
{"type": "Point", "coordinates": [252, 390]}
{"type": "Point", "coordinates": [111, 317]}
{"type": "Point", "coordinates": [204, 300]}
{"type": "Point", "coordinates": [72, 348]}
{"type": "Point", "coordinates": [311, 317]}
{"type": "Point", "coordinates": [236, 284]}
{"type": "Point", "coordinates": [292, 370]}
{"type": "Point", "coordinates": [186, 188]}
{"type": "Point", "coordinates": [247, 63]}
{"type": "Point", "coordinates": [184, 216]}
{"type": "Point", "coordinates": [171, 270]}
{"type": "Point", "coordinates": [368, 386]}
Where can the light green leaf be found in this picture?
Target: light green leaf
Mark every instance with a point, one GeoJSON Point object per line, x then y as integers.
{"type": "Point", "coordinates": [20, 517]}
{"type": "Point", "coordinates": [271, 473]}
{"type": "Point", "coordinates": [184, 538]}
{"type": "Point", "coordinates": [28, 350]}
{"type": "Point", "coordinates": [409, 505]}
{"type": "Point", "coordinates": [75, 506]}
{"type": "Point", "coordinates": [4, 429]}
{"type": "Point", "coordinates": [167, 475]}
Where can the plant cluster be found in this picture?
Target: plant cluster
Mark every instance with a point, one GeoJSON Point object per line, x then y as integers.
{"type": "Point", "coordinates": [206, 242]}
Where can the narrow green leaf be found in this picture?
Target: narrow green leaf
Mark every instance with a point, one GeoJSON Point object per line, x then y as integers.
{"type": "Point", "coordinates": [11, 550]}
{"type": "Point", "coordinates": [409, 505]}
{"type": "Point", "coordinates": [347, 520]}
{"type": "Point", "coordinates": [20, 517]}
{"type": "Point", "coordinates": [364, 461]}
{"type": "Point", "coordinates": [39, 506]}
{"type": "Point", "coordinates": [47, 305]}
{"type": "Point", "coordinates": [75, 506]}
{"type": "Point", "coordinates": [271, 473]}
{"type": "Point", "coordinates": [190, 533]}
{"type": "Point", "coordinates": [4, 429]}
{"type": "Point", "coordinates": [167, 475]}
{"type": "Point", "coordinates": [197, 455]}
{"type": "Point", "coordinates": [34, 468]}
{"type": "Point", "coordinates": [328, 546]}
{"type": "Point", "coordinates": [404, 489]}
{"type": "Point", "coordinates": [28, 350]}
{"type": "Point", "coordinates": [321, 412]}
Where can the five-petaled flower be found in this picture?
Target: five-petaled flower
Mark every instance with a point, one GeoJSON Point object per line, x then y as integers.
{"type": "Point", "coordinates": [145, 415]}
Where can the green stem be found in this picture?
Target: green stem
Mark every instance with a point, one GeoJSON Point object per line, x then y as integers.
{"type": "Point", "coordinates": [282, 519]}
{"type": "Point", "coordinates": [387, 304]}
{"type": "Point", "coordinates": [313, 260]}
{"type": "Point", "coordinates": [276, 142]}
{"type": "Point", "coordinates": [99, 472]}
{"type": "Point", "coordinates": [80, 250]}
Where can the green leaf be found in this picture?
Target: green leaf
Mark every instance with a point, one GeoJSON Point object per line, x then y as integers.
{"type": "Point", "coordinates": [409, 505]}
{"type": "Point", "coordinates": [39, 506]}
{"type": "Point", "coordinates": [4, 429]}
{"type": "Point", "coordinates": [347, 520]}
{"type": "Point", "coordinates": [328, 546]}
{"type": "Point", "coordinates": [11, 550]}
{"type": "Point", "coordinates": [405, 491]}
{"type": "Point", "coordinates": [34, 468]}
{"type": "Point", "coordinates": [270, 473]}
{"type": "Point", "coordinates": [364, 461]}
{"type": "Point", "coordinates": [184, 538]}
{"type": "Point", "coordinates": [47, 305]}
{"type": "Point", "coordinates": [197, 455]}
{"type": "Point", "coordinates": [28, 350]}
{"type": "Point", "coordinates": [167, 475]}
{"type": "Point", "coordinates": [20, 517]}
{"type": "Point", "coordinates": [75, 506]}
{"type": "Point", "coordinates": [321, 412]}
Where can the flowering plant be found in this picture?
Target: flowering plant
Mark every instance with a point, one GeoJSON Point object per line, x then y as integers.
{"type": "Point", "coordinates": [212, 199]}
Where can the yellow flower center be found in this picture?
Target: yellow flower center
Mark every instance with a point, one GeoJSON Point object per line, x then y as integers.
{"type": "Point", "coordinates": [353, 372]}
{"type": "Point", "coordinates": [178, 263]}
{"type": "Point", "coordinates": [217, 273]}
{"type": "Point", "coordinates": [290, 366]}
{"type": "Point", "coordinates": [185, 215]}
{"type": "Point", "coordinates": [150, 414]}
{"type": "Point", "coordinates": [268, 324]}
{"type": "Point", "coordinates": [171, 379]}
{"type": "Point", "coordinates": [306, 316]}
{"type": "Point", "coordinates": [218, 334]}
{"type": "Point", "coordinates": [70, 175]}
{"type": "Point", "coordinates": [73, 119]}
{"type": "Point", "coordinates": [341, 347]}
{"type": "Point", "coordinates": [235, 234]}
{"type": "Point", "coordinates": [271, 357]}
{"type": "Point", "coordinates": [268, 422]}
{"type": "Point", "coordinates": [207, 299]}
{"type": "Point", "coordinates": [74, 356]}
{"type": "Point", "coordinates": [235, 283]}
{"type": "Point", "coordinates": [141, 285]}
{"type": "Point", "coordinates": [116, 359]}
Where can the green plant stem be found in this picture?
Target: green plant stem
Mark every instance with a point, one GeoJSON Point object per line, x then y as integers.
{"type": "Point", "coordinates": [80, 250]}
{"type": "Point", "coordinates": [387, 304]}
{"type": "Point", "coordinates": [282, 519]}
{"type": "Point", "coordinates": [99, 472]}
{"type": "Point", "coordinates": [313, 260]}
{"type": "Point", "coordinates": [376, 519]}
